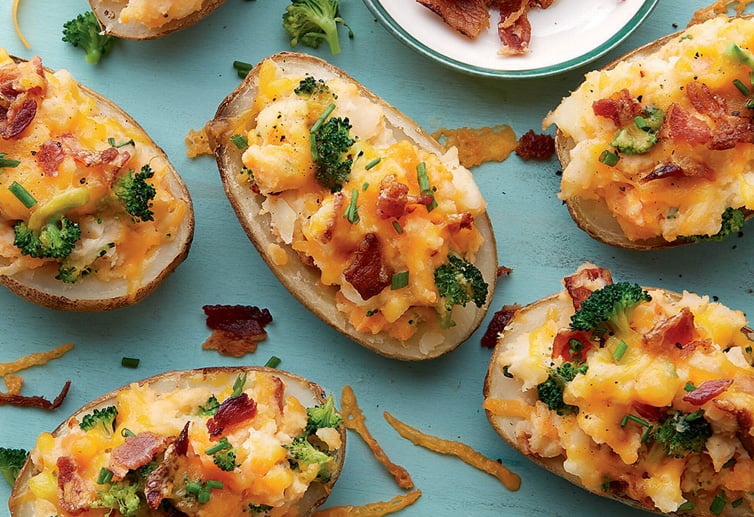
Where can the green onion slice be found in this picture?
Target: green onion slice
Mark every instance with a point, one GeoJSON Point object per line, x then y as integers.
{"type": "Point", "coordinates": [22, 194]}
{"type": "Point", "coordinates": [399, 280]}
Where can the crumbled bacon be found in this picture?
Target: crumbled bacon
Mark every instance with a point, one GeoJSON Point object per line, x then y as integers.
{"type": "Point", "coordinates": [497, 324]}
{"type": "Point", "coordinates": [50, 156]}
{"type": "Point", "coordinates": [231, 411]}
{"type": "Point", "coordinates": [469, 17]}
{"type": "Point", "coordinates": [707, 391]}
{"type": "Point", "coordinates": [114, 158]}
{"type": "Point", "coordinates": [585, 281]}
{"type": "Point", "coordinates": [136, 451]}
{"type": "Point", "coordinates": [677, 331]}
{"type": "Point", "coordinates": [393, 198]}
{"type": "Point", "coordinates": [367, 272]}
{"type": "Point", "coordinates": [682, 126]}
{"type": "Point", "coordinates": [729, 128]}
{"type": "Point", "coordinates": [620, 107]}
{"type": "Point", "coordinates": [18, 107]}
{"type": "Point", "coordinates": [533, 146]}
{"type": "Point", "coordinates": [236, 329]}
{"type": "Point", "coordinates": [563, 345]}
{"type": "Point", "coordinates": [652, 413]}
{"type": "Point", "coordinates": [14, 399]}
{"type": "Point", "coordinates": [159, 484]}
{"type": "Point", "coordinates": [73, 495]}
{"type": "Point", "coordinates": [514, 28]}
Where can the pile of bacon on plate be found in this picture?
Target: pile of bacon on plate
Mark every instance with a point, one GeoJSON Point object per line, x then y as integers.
{"type": "Point", "coordinates": [471, 17]}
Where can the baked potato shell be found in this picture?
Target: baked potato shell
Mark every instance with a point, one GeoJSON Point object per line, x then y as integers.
{"type": "Point", "coordinates": [108, 12]}
{"type": "Point", "coordinates": [306, 391]}
{"type": "Point", "coordinates": [498, 386]}
{"type": "Point", "coordinates": [303, 281]}
{"type": "Point", "coordinates": [91, 294]}
{"type": "Point", "coordinates": [593, 216]}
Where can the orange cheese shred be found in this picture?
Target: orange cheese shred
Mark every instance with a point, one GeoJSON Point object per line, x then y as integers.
{"type": "Point", "coordinates": [17, 26]}
{"type": "Point", "coordinates": [508, 408]}
{"type": "Point", "coordinates": [509, 479]}
{"type": "Point", "coordinates": [396, 504]}
{"type": "Point", "coordinates": [34, 359]}
{"type": "Point", "coordinates": [13, 383]}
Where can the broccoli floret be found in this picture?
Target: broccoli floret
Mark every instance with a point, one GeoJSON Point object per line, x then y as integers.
{"type": "Point", "coordinates": [733, 220]}
{"type": "Point", "coordinates": [682, 433]}
{"type": "Point", "coordinates": [122, 497]}
{"type": "Point", "coordinates": [102, 419]}
{"type": "Point", "coordinates": [56, 239]}
{"type": "Point", "coordinates": [312, 21]}
{"type": "Point", "coordinates": [210, 408]}
{"type": "Point", "coordinates": [85, 32]}
{"type": "Point", "coordinates": [311, 86]}
{"type": "Point", "coordinates": [459, 282]}
{"type": "Point", "coordinates": [607, 310]}
{"type": "Point", "coordinates": [11, 462]}
{"type": "Point", "coordinates": [639, 137]}
{"type": "Point", "coordinates": [301, 450]}
{"type": "Point", "coordinates": [551, 391]}
{"type": "Point", "coordinates": [223, 455]}
{"type": "Point", "coordinates": [331, 141]}
{"type": "Point", "coordinates": [323, 415]}
{"type": "Point", "coordinates": [136, 194]}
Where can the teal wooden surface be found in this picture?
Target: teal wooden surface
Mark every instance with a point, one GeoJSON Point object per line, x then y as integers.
{"type": "Point", "coordinates": [174, 84]}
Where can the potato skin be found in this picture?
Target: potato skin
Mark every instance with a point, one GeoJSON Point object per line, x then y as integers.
{"type": "Point", "coordinates": [305, 390]}
{"type": "Point", "coordinates": [301, 280]}
{"type": "Point", "coordinates": [90, 294]}
{"type": "Point", "coordinates": [107, 12]}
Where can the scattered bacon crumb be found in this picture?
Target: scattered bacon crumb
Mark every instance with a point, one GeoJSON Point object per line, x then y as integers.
{"type": "Point", "coordinates": [497, 324]}
{"type": "Point", "coordinates": [396, 504]}
{"type": "Point", "coordinates": [707, 390]}
{"type": "Point", "coordinates": [236, 329]}
{"type": "Point", "coordinates": [510, 480]}
{"type": "Point", "coordinates": [231, 411]}
{"type": "Point", "coordinates": [533, 146]}
{"type": "Point", "coordinates": [35, 401]}
{"type": "Point", "coordinates": [355, 421]}
{"type": "Point", "coordinates": [14, 382]}
{"type": "Point", "coordinates": [479, 145]}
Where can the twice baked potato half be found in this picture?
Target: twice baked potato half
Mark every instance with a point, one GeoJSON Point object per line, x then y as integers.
{"type": "Point", "coordinates": [215, 441]}
{"type": "Point", "coordinates": [656, 147]}
{"type": "Point", "coordinates": [93, 216]}
{"type": "Point", "coordinates": [359, 212]}
{"type": "Point", "coordinates": [638, 394]}
{"type": "Point", "coordinates": [146, 19]}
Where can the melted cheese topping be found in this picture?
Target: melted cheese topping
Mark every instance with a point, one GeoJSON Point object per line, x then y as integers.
{"type": "Point", "coordinates": [598, 448]}
{"type": "Point", "coordinates": [266, 478]}
{"type": "Point", "coordinates": [674, 206]}
{"type": "Point", "coordinates": [311, 219]}
{"type": "Point", "coordinates": [156, 13]}
{"type": "Point", "coordinates": [69, 121]}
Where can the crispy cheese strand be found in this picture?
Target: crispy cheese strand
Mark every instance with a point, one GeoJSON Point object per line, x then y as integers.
{"type": "Point", "coordinates": [397, 503]}
{"type": "Point", "coordinates": [355, 421]}
{"type": "Point", "coordinates": [35, 359]}
{"type": "Point", "coordinates": [17, 26]}
{"type": "Point", "coordinates": [510, 480]}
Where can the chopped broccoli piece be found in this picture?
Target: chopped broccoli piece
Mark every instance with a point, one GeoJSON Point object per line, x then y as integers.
{"type": "Point", "coordinates": [56, 239]}
{"type": "Point", "coordinates": [639, 137]}
{"type": "Point", "coordinates": [682, 433]}
{"type": "Point", "coordinates": [314, 21]}
{"type": "Point", "coordinates": [606, 310]}
{"type": "Point", "coordinates": [102, 419]}
{"type": "Point", "coordinates": [223, 455]}
{"type": "Point", "coordinates": [136, 194]}
{"type": "Point", "coordinates": [301, 450]}
{"type": "Point", "coordinates": [733, 220]}
{"type": "Point", "coordinates": [323, 415]}
{"type": "Point", "coordinates": [11, 462]}
{"type": "Point", "coordinates": [551, 391]}
{"type": "Point", "coordinates": [122, 497]}
{"type": "Point", "coordinates": [311, 86]}
{"type": "Point", "coordinates": [459, 282]}
{"type": "Point", "coordinates": [85, 32]}
{"type": "Point", "coordinates": [331, 141]}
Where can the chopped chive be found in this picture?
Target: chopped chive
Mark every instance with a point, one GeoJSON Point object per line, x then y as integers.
{"type": "Point", "coordinates": [8, 162]}
{"type": "Point", "coordinates": [129, 362]}
{"type": "Point", "coordinates": [126, 432]}
{"type": "Point", "coordinates": [238, 385]}
{"type": "Point", "coordinates": [113, 143]}
{"type": "Point", "coordinates": [728, 464]}
{"type": "Point", "coordinates": [687, 506]}
{"type": "Point", "coordinates": [22, 194]}
{"type": "Point", "coordinates": [750, 104]}
{"type": "Point", "coordinates": [242, 68]}
{"type": "Point", "coordinates": [741, 87]}
{"type": "Point", "coordinates": [272, 362]}
{"type": "Point", "coordinates": [222, 445]}
{"type": "Point", "coordinates": [203, 496]}
{"type": "Point", "coordinates": [647, 434]}
{"type": "Point", "coordinates": [424, 186]}
{"type": "Point", "coordinates": [718, 504]}
{"type": "Point", "coordinates": [211, 483]}
{"type": "Point", "coordinates": [193, 487]}
{"type": "Point", "coordinates": [620, 350]}
{"type": "Point", "coordinates": [313, 146]}
{"type": "Point", "coordinates": [609, 158]}
{"type": "Point", "coordinates": [105, 475]}
{"type": "Point", "coordinates": [321, 119]}
{"type": "Point", "coordinates": [240, 141]}
{"type": "Point", "coordinates": [641, 123]}
{"type": "Point", "coordinates": [689, 387]}
{"type": "Point", "coordinates": [633, 418]}
{"type": "Point", "coordinates": [397, 227]}
{"type": "Point", "coordinates": [352, 211]}
{"type": "Point", "coordinates": [737, 502]}
{"type": "Point", "coordinates": [372, 163]}
{"type": "Point", "coordinates": [364, 186]}
{"type": "Point", "coordinates": [399, 280]}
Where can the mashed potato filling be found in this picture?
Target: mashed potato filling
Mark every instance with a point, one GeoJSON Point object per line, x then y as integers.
{"type": "Point", "coordinates": [701, 164]}
{"type": "Point", "coordinates": [156, 13]}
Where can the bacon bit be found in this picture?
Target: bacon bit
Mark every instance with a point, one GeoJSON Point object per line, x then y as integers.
{"type": "Point", "coordinates": [585, 281]}
{"type": "Point", "coordinates": [677, 331]}
{"type": "Point", "coordinates": [367, 272]}
{"type": "Point", "coordinates": [393, 198]}
{"type": "Point", "coordinates": [652, 413]}
{"type": "Point", "coordinates": [503, 270]}
{"type": "Point", "coordinates": [35, 401]}
{"type": "Point", "coordinates": [181, 443]}
{"type": "Point", "coordinates": [232, 411]}
{"type": "Point", "coordinates": [462, 451]}
{"type": "Point", "coordinates": [136, 451]}
{"type": "Point", "coordinates": [479, 145]}
{"type": "Point", "coordinates": [18, 118]}
{"type": "Point", "coordinates": [514, 28]}
{"type": "Point", "coordinates": [469, 18]}
{"type": "Point", "coordinates": [73, 495]}
{"type": "Point", "coordinates": [620, 107]}
{"type": "Point", "coordinates": [396, 504]}
{"type": "Point", "coordinates": [159, 484]}
{"type": "Point", "coordinates": [682, 126]}
{"type": "Point", "coordinates": [533, 146]}
{"type": "Point", "coordinates": [50, 156]}
{"type": "Point", "coordinates": [562, 347]}
{"type": "Point", "coordinates": [707, 391]}
{"type": "Point", "coordinates": [497, 324]}
{"type": "Point", "coordinates": [354, 420]}
{"type": "Point", "coordinates": [236, 329]}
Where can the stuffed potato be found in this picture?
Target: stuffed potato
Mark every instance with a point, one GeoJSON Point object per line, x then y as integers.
{"type": "Point", "coordinates": [207, 442]}
{"type": "Point", "coordinates": [359, 213]}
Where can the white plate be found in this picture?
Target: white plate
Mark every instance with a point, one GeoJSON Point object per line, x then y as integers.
{"type": "Point", "coordinates": [567, 34]}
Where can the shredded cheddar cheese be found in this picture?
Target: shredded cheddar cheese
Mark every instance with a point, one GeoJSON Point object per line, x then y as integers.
{"type": "Point", "coordinates": [156, 13]}
{"type": "Point", "coordinates": [17, 26]}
